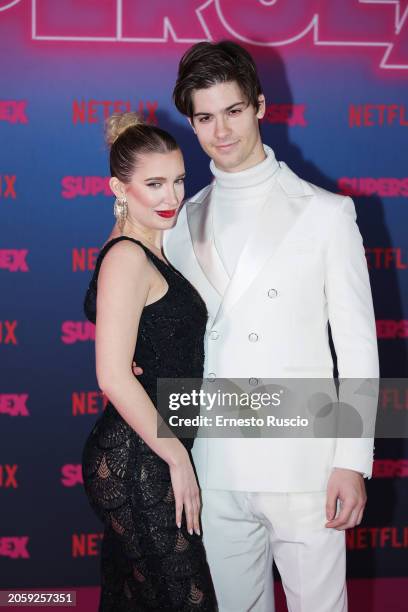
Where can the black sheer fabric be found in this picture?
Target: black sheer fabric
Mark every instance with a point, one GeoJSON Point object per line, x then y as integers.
{"type": "Point", "coordinates": [147, 563]}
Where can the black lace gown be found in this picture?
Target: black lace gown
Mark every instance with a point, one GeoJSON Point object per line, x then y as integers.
{"type": "Point", "coordinates": [147, 563]}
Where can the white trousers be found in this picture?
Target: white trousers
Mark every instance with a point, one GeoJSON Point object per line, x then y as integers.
{"type": "Point", "coordinates": [244, 532]}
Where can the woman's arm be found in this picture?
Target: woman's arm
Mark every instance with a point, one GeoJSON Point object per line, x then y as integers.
{"type": "Point", "coordinates": [124, 283]}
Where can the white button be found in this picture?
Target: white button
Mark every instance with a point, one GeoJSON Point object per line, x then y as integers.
{"type": "Point", "coordinates": [253, 337]}
{"type": "Point", "coordinates": [253, 381]}
{"type": "Point", "coordinates": [211, 376]}
{"type": "Point", "coordinates": [214, 335]}
{"type": "Point", "coordinates": [272, 293]}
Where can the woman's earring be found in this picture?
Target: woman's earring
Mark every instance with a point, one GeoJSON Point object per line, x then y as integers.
{"type": "Point", "coordinates": [120, 210]}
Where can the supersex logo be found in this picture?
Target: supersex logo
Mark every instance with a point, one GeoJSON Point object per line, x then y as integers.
{"type": "Point", "coordinates": [377, 25]}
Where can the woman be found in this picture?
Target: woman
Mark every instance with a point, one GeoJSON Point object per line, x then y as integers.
{"type": "Point", "coordinates": [144, 487]}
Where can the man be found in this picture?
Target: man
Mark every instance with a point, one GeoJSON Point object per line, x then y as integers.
{"type": "Point", "coordinates": [275, 258]}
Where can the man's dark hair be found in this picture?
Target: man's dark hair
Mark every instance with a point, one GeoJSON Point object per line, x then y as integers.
{"type": "Point", "coordinates": [206, 64]}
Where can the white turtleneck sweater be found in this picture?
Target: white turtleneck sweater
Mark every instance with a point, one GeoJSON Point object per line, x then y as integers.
{"type": "Point", "coordinates": [238, 199]}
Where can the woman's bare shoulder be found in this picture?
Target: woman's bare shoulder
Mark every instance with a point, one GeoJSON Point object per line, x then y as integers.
{"type": "Point", "coordinates": [124, 260]}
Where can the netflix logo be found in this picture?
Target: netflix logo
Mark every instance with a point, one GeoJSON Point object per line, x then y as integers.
{"type": "Point", "coordinates": [370, 115]}
{"type": "Point", "coordinates": [84, 259]}
{"type": "Point", "coordinates": [88, 402]}
{"type": "Point", "coordinates": [8, 186]}
{"type": "Point", "coordinates": [384, 258]}
{"type": "Point", "coordinates": [388, 329]}
{"type": "Point", "coordinates": [86, 544]}
{"type": "Point", "coordinates": [8, 332]}
{"type": "Point", "coordinates": [361, 538]}
{"type": "Point", "coordinates": [390, 468]}
{"type": "Point", "coordinates": [97, 111]}
{"type": "Point", "coordinates": [13, 111]}
{"type": "Point", "coordinates": [393, 398]}
{"type": "Point", "coordinates": [8, 476]}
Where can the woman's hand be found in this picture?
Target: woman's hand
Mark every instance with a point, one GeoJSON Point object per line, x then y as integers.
{"type": "Point", "coordinates": [186, 493]}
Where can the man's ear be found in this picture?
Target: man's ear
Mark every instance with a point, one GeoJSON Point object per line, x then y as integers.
{"type": "Point", "coordinates": [262, 106]}
{"type": "Point", "coordinates": [192, 124]}
{"type": "Point", "coordinates": [117, 187]}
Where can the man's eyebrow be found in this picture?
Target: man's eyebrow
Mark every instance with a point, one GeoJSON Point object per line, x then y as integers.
{"type": "Point", "coordinates": [226, 109]}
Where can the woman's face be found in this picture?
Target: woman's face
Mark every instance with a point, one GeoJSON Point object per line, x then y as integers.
{"type": "Point", "coordinates": [156, 189]}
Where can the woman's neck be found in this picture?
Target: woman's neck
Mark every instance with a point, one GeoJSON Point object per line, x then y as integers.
{"type": "Point", "coordinates": [150, 237]}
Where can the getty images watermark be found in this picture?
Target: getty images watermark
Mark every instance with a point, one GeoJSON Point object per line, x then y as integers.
{"type": "Point", "coordinates": [284, 407]}
{"type": "Point", "coordinates": [222, 400]}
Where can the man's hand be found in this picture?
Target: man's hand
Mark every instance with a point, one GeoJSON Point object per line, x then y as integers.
{"type": "Point", "coordinates": [136, 370]}
{"type": "Point", "coordinates": [347, 486]}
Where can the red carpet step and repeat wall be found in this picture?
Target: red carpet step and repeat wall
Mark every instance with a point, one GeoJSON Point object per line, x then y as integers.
{"type": "Point", "coordinates": [335, 76]}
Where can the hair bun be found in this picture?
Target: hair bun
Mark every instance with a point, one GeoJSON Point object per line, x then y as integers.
{"type": "Point", "coordinates": [116, 124]}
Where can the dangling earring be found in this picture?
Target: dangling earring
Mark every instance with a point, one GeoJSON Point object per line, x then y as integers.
{"type": "Point", "coordinates": [120, 210]}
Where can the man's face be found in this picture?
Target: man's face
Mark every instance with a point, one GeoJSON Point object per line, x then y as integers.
{"type": "Point", "coordinates": [227, 127]}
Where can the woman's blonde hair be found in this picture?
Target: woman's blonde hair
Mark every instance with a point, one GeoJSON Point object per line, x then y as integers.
{"type": "Point", "coordinates": [129, 136]}
{"type": "Point", "coordinates": [116, 124]}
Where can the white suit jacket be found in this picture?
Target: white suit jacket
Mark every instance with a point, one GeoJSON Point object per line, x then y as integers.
{"type": "Point", "coordinates": [303, 265]}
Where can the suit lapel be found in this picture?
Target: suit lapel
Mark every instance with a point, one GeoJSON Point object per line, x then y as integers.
{"type": "Point", "coordinates": [199, 216]}
{"type": "Point", "coordinates": [277, 219]}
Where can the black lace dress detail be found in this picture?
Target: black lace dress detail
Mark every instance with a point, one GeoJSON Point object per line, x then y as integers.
{"type": "Point", "coordinates": [147, 563]}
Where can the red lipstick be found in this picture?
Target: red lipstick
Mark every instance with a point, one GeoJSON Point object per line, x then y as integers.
{"type": "Point", "coordinates": [167, 214]}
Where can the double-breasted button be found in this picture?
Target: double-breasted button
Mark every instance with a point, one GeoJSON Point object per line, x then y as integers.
{"type": "Point", "coordinates": [253, 337]}
{"type": "Point", "coordinates": [272, 293]}
{"type": "Point", "coordinates": [253, 381]}
{"type": "Point", "coordinates": [214, 335]}
{"type": "Point", "coordinates": [211, 376]}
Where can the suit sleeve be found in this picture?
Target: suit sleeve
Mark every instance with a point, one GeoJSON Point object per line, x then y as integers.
{"type": "Point", "coordinates": [352, 322]}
